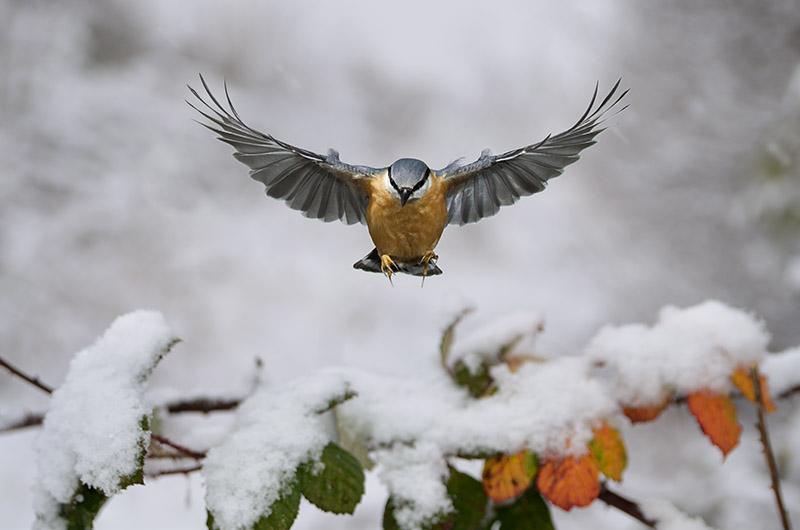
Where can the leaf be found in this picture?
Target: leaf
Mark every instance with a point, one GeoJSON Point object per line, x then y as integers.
{"type": "Point", "coordinates": [469, 502]}
{"type": "Point", "coordinates": [646, 413]}
{"type": "Point", "coordinates": [609, 451]}
{"type": "Point", "coordinates": [449, 335]}
{"type": "Point", "coordinates": [83, 508]}
{"type": "Point", "coordinates": [570, 481]}
{"type": "Point", "coordinates": [529, 512]}
{"type": "Point", "coordinates": [506, 477]}
{"type": "Point", "coordinates": [339, 486]}
{"type": "Point", "coordinates": [476, 383]}
{"type": "Point", "coordinates": [716, 415]}
{"type": "Point", "coordinates": [741, 378]}
{"type": "Point", "coordinates": [283, 511]}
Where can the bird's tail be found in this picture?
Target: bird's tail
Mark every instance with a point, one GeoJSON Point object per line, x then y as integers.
{"type": "Point", "coordinates": [372, 263]}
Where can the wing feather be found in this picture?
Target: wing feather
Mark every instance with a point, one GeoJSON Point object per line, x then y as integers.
{"type": "Point", "coordinates": [322, 187]}
{"type": "Point", "coordinates": [477, 190]}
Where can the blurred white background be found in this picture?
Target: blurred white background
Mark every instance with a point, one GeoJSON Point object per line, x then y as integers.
{"type": "Point", "coordinates": [112, 199]}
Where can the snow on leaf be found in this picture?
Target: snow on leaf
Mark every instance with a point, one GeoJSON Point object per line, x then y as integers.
{"type": "Point", "coordinates": [275, 431]}
{"type": "Point", "coordinates": [609, 451]}
{"type": "Point", "coordinates": [338, 486]}
{"type": "Point", "coordinates": [489, 344]}
{"type": "Point", "coordinates": [716, 415]}
{"type": "Point", "coordinates": [646, 412]}
{"type": "Point", "coordinates": [506, 477]}
{"type": "Point", "coordinates": [468, 500]}
{"type": "Point", "coordinates": [741, 378]}
{"type": "Point", "coordinates": [569, 481]}
{"type": "Point", "coordinates": [95, 432]}
{"type": "Point", "coordinates": [685, 350]}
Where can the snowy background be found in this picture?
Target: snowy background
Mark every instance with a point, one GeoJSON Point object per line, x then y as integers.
{"type": "Point", "coordinates": [112, 199]}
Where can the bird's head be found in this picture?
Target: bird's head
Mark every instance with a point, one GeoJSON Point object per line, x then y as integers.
{"type": "Point", "coordinates": [409, 179]}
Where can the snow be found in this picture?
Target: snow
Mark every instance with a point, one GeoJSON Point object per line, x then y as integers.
{"type": "Point", "coordinates": [276, 429]}
{"type": "Point", "coordinates": [684, 351]}
{"type": "Point", "coordinates": [92, 430]}
{"type": "Point", "coordinates": [671, 518]}
{"type": "Point", "coordinates": [782, 370]}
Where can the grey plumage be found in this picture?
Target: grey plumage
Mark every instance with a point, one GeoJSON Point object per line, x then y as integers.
{"type": "Point", "coordinates": [479, 189]}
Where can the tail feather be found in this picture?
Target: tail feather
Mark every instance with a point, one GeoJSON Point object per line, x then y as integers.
{"type": "Point", "coordinates": [372, 263]}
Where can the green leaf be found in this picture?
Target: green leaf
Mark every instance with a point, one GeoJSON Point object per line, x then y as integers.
{"type": "Point", "coordinates": [389, 522]}
{"type": "Point", "coordinates": [529, 512]}
{"type": "Point", "coordinates": [339, 486]}
{"type": "Point", "coordinates": [83, 508]}
{"type": "Point", "coordinates": [469, 502]}
{"type": "Point", "coordinates": [283, 511]}
{"type": "Point", "coordinates": [476, 383]}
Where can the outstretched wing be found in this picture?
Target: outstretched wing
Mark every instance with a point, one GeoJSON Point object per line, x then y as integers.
{"type": "Point", "coordinates": [322, 187]}
{"type": "Point", "coordinates": [479, 189]}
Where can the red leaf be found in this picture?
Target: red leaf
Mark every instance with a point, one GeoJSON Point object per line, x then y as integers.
{"type": "Point", "coordinates": [716, 415]}
{"type": "Point", "coordinates": [569, 482]}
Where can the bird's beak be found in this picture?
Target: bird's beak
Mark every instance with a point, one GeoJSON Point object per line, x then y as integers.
{"type": "Point", "coordinates": [405, 193]}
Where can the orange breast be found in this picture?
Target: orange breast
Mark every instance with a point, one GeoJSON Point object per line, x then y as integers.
{"type": "Point", "coordinates": [406, 233]}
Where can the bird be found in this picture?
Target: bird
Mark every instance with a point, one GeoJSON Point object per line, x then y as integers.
{"type": "Point", "coordinates": [406, 205]}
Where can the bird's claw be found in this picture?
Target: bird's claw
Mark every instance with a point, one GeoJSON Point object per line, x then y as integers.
{"type": "Point", "coordinates": [426, 259]}
{"type": "Point", "coordinates": [388, 267]}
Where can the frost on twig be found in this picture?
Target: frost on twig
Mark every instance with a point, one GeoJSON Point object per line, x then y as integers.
{"type": "Point", "coordinates": [95, 433]}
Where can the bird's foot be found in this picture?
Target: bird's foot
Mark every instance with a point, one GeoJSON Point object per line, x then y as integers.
{"type": "Point", "coordinates": [388, 267]}
{"type": "Point", "coordinates": [426, 259]}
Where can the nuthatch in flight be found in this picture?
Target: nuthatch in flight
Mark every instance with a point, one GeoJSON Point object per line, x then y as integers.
{"type": "Point", "coordinates": [407, 205]}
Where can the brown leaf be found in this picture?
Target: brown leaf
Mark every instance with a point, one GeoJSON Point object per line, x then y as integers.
{"type": "Point", "coordinates": [570, 481]}
{"type": "Point", "coordinates": [716, 415]}
{"type": "Point", "coordinates": [506, 477]}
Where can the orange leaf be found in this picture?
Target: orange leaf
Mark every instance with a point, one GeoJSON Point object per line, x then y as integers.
{"type": "Point", "coordinates": [741, 378]}
{"type": "Point", "coordinates": [570, 481]}
{"type": "Point", "coordinates": [506, 477]}
{"type": "Point", "coordinates": [642, 414]}
{"type": "Point", "coordinates": [609, 451]}
{"type": "Point", "coordinates": [716, 415]}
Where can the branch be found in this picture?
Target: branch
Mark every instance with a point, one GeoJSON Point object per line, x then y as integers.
{"type": "Point", "coordinates": [185, 451]}
{"type": "Point", "coordinates": [32, 419]}
{"type": "Point", "coordinates": [30, 379]}
{"type": "Point", "coordinates": [768, 454]}
{"type": "Point", "coordinates": [204, 405]}
{"type": "Point", "coordinates": [624, 505]}
{"type": "Point", "coordinates": [176, 471]}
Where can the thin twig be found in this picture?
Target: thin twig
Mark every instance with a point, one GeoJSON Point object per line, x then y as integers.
{"type": "Point", "coordinates": [789, 392]}
{"type": "Point", "coordinates": [624, 505]}
{"type": "Point", "coordinates": [176, 471]}
{"type": "Point", "coordinates": [768, 454]}
{"type": "Point", "coordinates": [178, 447]}
{"type": "Point", "coordinates": [32, 419]}
{"type": "Point", "coordinates": [204, 405]}
{"type": "Point", "coordinates": [30, 379]}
